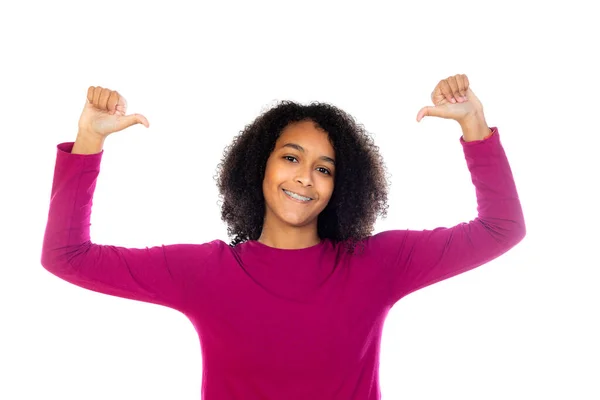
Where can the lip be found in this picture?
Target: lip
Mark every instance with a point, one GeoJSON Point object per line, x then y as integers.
{"type": "Point", "coordinates": [293, 199]}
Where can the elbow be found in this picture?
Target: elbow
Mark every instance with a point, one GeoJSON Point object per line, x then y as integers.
{"type": "Point", "coordinates": [55, 266]}
{"type": "Point", "coordinates": [60, 261]}
{"type": "Point", "coordinates": [518, 234]}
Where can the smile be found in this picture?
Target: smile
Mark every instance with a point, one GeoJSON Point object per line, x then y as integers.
{"type": "Point", "coordinates": [296, 197]}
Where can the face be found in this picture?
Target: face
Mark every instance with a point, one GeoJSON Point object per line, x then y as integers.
{"type": "Point", "coordinates": [302, 163]}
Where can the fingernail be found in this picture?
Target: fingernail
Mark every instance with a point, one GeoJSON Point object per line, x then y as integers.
{"type": "Point", "coordinates": [453, 100]}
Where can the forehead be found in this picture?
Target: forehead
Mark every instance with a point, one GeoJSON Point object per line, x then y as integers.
{"type": "Point", "coordinates": [307, 135]}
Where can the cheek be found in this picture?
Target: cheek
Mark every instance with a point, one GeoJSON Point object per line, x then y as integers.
{"type": "Point", "coordinates": [277, 174]}
{"type": "Point", "coordinates": [269, 174]}
{"type": "Point", "coordinates": [271, 181]}
{"type": "Point", "coordinates": [327, 191]}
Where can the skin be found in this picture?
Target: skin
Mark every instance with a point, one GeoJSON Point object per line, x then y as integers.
{"type": "Point", "coordinates": [289, 224]}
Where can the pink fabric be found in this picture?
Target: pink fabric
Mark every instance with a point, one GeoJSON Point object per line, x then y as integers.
{"type": "Point", "coordinates": [283, 324]}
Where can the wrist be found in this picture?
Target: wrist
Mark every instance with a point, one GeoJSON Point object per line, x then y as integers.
{"type": "Point", "coordinates": [474, 127]}
{"type": "Point", "coordinates": [87, 143]}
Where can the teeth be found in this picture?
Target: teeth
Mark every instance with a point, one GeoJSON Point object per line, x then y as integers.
{"type": "Point", "coordinates": [297, 196]}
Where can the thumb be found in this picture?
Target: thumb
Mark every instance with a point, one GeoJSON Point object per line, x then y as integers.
{"type": "Point", "coordinates": [428, 111]}
{"type": "Point", "coordinates": [127, 120]}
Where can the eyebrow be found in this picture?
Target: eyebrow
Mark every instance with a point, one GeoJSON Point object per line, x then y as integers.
{"type": "Point", "coordinates": [301, 149]}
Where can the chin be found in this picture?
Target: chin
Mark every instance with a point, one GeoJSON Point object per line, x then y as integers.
{"type": "Point", "coordinates": [298, 223]}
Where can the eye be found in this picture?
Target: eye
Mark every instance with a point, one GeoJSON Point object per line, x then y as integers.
{"type": "Point", "coordinates": [294, 159]}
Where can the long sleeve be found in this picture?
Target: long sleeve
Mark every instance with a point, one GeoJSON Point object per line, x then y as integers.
{"type": "Point", "coordinates": [412, 259]}
{"type": "Point", "coordinates": [157, 274]}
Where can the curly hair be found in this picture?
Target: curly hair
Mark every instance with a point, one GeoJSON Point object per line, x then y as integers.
{"type": "Point", "coordinates": [360, 185]}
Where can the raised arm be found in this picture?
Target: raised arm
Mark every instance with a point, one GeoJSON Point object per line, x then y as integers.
{"type": "Point", "coordinates": [157, 274]}
{"type": "Point", "coordinates": [413, 259]}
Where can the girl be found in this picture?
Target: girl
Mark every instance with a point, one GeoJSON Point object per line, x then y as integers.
{"type": "Point", "coordinates": [294, 306]}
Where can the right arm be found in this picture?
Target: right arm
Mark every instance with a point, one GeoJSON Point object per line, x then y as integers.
{"type": "Point", "coordinates": [157, 274]}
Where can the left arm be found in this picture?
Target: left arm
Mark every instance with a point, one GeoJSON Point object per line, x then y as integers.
{"type": "Point", "coordinates": [413, 259]}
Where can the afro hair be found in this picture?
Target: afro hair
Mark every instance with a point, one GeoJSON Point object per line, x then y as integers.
{"type": "Point", "coordinates": [360, 184]}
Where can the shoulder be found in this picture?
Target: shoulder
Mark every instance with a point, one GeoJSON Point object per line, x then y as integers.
{"type": "Point", "coordinates": [384, 239]}
{"type": "Point", "coordinates": [194, 252]}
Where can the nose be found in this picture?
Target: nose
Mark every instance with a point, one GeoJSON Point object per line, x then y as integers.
{"type": "Point", "coordinates": [304, 181]}
{"type": "Point", "coordinates": [304, 177]}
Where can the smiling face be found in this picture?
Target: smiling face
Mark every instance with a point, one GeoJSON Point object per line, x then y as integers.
{"type": "Point", "coordinates": [302, 163]}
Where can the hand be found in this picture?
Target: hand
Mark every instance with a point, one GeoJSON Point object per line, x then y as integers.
{"type": "Point", "coordinates": [453, 99]}
{"type": "Point", "coordinates": [104, 113]}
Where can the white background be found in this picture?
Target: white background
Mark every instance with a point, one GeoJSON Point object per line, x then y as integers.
{"type": "Point", "coordinates": [524, 326]}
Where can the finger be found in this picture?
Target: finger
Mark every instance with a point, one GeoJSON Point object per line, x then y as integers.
{"type": "Point", "coordinates": [143, 120]}
{"type": "Point", "coordinates": [436, 95]}
{"type": "Point", "coordinates": [437, 111]}
{"type": "Point", "coordinates": [96, 97]}
{"type": "Point", "coordinates": [423, 112]}
{"type": "Point", "coordinates": [447, 90]}
{"type": "Point", "coordinates": [123, 102]}
{"type": "Point", "coordinates": [90, 94]}
{"type": "Point", "coordinates": [428, 111]}
{"type": "Point", "coordinates": [112, 102]}
{"type": "Point", "coordinates": [467, 86]}
{"type": "Point", "coordinates": [462, 85]}
{"type": "Point", "coordinates": [128, 120]}
{"type": "Point", "coordinates": [454, 87]}
{"type": "Point", "coordinates": [103, 100]}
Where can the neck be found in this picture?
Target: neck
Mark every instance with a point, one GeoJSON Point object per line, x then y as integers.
{"type": "Point", "coordinates": [289, 238]}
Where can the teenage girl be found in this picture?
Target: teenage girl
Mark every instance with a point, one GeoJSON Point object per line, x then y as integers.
{"type": "Point", "coordinates": [294, 306]}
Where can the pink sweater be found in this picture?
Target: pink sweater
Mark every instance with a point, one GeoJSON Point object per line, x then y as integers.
{"type": "Point", "coordinates": [283, 324]}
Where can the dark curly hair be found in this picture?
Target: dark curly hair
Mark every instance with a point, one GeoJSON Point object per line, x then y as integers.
{"type": "Point", "coordinates": [360, 185]}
